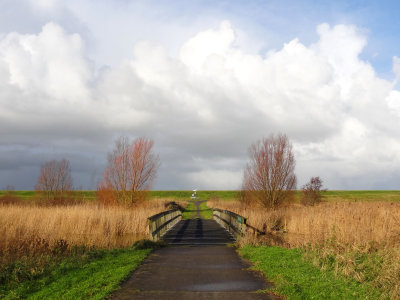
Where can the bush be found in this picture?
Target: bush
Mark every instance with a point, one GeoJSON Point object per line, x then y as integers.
{"type": "Point", "coordinates": [269, 177]}
{"type": "Point", "coordinates": [312, 192]}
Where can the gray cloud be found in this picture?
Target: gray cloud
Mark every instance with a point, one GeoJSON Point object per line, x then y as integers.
{"type": "Point", "coordinates": [203, 107]}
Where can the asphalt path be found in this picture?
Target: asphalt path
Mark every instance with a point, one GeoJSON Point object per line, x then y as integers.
{"type": "Point", "coordinates": [197, 204]}
{"type": "Point", "coordinates": [199, 263]}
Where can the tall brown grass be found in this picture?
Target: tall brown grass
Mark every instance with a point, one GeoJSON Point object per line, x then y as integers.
{"type": "Point", "coordinates": [28, 230]}
{"type": "Point", "coordinates": [360, 240]}
{"type": "Point", "coordinates": [346, 222]}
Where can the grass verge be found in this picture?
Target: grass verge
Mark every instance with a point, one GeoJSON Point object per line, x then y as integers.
{"type": "Point", "coordinates": [205, 211]}
{"type": "Point", "coordinates": [297, 278]}
{"type": "Point", "coordinates": [89, 275]}
{"type": "Point", "coordinates": [355, 196]}
{"type": "Point", "coordinates": [330, 195]}
{"type": "Point", "coordinates": [189, 212]}
{"type": "Point", "coordinates": [203, 195]}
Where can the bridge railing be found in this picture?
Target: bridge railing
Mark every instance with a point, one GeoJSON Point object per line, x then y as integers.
{"type": "Point", "coordinates": [234, 223]}
{"type": "Point", "coordinates": [162, 222]}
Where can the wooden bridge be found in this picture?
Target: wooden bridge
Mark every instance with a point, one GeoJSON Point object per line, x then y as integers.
{"type": "Point", "coordinates": [198, 232]}
{"type": "Point", "coordinates": [197, 264]}
{"type": "Point", "coordinates": [224, 228]}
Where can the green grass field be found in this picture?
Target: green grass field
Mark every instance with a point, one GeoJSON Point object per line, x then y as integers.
{"type": "Point", "coordinates": [189, 212]}
{"type": "Point", "coordinates": [30, 195]}
{"type": "Point", "coordinates": [205, 211]}
{"type": "Point", "coordinates": [379, 195]}
{"type": "Point", "coordinates": [231, 195]}
{"type": "Point", "coordinates": [185, 195]}
{"type": "Point", "coordinates": [362, 195]}
{"type": "Point", "coordinates": [296, 278]}
{"type": "Point", "coordinates": [173, 195]}
{"type": "Point", "coordinates": [89, 275]}
{"type": "Point", "coordinates": [24, 195]}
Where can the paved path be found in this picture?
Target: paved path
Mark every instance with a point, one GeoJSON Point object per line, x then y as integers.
{"type": "Point", "coordinates": [197, 204]}
{"type": "Point", "coordinates": [196, 265]}
{"type": "Point", "coordinates": [198, 232]}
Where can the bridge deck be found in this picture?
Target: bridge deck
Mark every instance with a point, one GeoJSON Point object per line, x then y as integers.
{"type": "Point", "coordinates": [203, 269]}
{"type": "Point", "coordinates": [198, 232]}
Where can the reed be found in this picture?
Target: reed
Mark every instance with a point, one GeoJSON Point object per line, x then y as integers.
{"type": "Point", "coordinates": [346, 222]}
{"type": "Point", "coordinates": [29, 230]}
{"type": "Point", "coordinates": [360, 240]}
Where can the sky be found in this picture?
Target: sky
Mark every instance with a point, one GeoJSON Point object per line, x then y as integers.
{"type": "Point", "coordinates": [204, 80]}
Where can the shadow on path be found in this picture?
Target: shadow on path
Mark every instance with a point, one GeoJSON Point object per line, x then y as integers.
{"type": "Point", "coordinates": [199, 229]}
{"type": "Point", "coordinates": [197, 265]}
{"type": "Point", "coordinates": [194, 272]}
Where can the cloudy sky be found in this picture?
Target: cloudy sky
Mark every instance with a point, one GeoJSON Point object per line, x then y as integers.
{"type": "Point", "coordinates": [203, 79]}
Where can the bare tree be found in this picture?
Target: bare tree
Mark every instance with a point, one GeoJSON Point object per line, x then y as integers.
{"type": "Point", "coordinates": [117, 172]}
{"type": "Point", "coordinates": [312, 192]}
{"type": "Point", "coordinates": [130, 171]}
{"type": "Point", "coordinates": [55, 180]}
{"type": "Point", "coordinates": [269, 176]}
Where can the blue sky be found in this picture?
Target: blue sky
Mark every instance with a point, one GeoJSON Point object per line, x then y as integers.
{"type": "Point", "coordinates": [271, 23]}
{"type": "Point", "coordinates": [204, 79]}
{"type": "Point", "coordinates": [275, 22]}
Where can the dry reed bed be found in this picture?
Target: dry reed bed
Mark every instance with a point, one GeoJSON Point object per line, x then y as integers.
{"type": "Point", "coordinates": [346, 222]}
{"type": "Point", "coordinates": [32, 229]}
{"type": "Point", "coordinates": [363, 237]}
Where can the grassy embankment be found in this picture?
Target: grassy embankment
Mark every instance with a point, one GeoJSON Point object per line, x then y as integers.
{"type": "Point", "coordinates": [233, 195]}
{"type": "Point", "coordinates": [205, 211]}
{"type": "Point", "coordinates": [297, 278]}
{"type": "Point", "coordinates": [352, 196]}
{"type": "Point", "coordinates": [185, 195]}
{"type": "Point", "coordinates": [91, 274]}
{"type": "Point", "coordinates": [190, 211]}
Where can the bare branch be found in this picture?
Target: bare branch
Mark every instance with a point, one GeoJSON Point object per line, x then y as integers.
{"type": "Point", "coordinates": [131, 170]}
{"type": "Point", "coordinates": [269, 176]}
{"type": "Point", "coordinates": [55, 180]}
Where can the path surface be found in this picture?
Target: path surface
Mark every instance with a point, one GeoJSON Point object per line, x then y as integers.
{"type": "Point", "coordinates": [198, 232]}
{"type": "Point", "coordinates": [197, 265]}
{"type": "Point", "coordinates": [197, 204]}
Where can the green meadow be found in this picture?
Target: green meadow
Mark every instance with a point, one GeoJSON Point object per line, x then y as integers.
{"type": "Point", "coordinates": [357, 195]}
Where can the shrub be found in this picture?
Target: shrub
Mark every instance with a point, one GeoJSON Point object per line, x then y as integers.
{"type": "Point", "coordinates": [312, 192]}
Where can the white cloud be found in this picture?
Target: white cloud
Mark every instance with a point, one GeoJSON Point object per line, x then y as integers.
{"type": "Point", "coordinates": [207, 104]}
{"type": "Point", "coordinates": [396, 67]}
{"type": "Point", "coordinates": [393, 101]}
{"type": "Point", "coordinates": [51, 63]}
{"type": "Point", "coordinates": [45, 5]}
{"type": "Point", "coordinates": [208, 45]}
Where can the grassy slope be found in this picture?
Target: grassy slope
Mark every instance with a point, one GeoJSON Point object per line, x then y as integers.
{"type": "Point", "coordinates": [230, 195]}
{"type": "Point", "coordinates": [91, 276]}
{"type": "Point", "coordinates": [189, 212]}
{"type": "Point", "coordinates": [20, 194]}
{"type": "Point", "coordinates": [362, 195]}
{"type": "Point", "coordinates": [329, 195]}
{"type": "Point", "coordinates": [298, 279]}
{"type": "Point", "coordinates": [185, 195]}
{"type": "Point", "coordinates": [205, 211]}
{"type": "Point", "coordinates": [29, 195]}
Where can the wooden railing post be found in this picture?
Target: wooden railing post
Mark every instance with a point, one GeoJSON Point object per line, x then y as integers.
{"type": "Point", "coordinates": [234, 223]}
{"type": "Point", "coordinates": [160, 223]}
